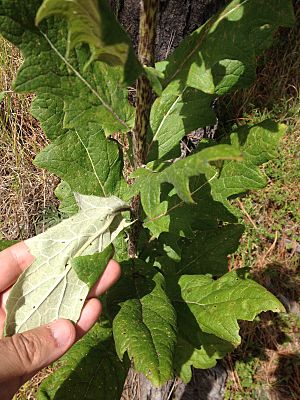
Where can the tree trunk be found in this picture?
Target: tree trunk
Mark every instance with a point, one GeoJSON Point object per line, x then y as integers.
{"type": "Point", "coordinates": [206, 384]}
{"type": "Point", "coordinates": [177, 18]}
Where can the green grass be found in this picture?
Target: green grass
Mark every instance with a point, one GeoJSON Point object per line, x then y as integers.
{"type": "Point", "coordinates": [273, 214]}
{"type": "Point", "coordinates": [267, 364]}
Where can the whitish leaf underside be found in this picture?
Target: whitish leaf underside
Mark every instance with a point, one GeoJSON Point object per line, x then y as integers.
{"type": "Point", "coordinates": [50, 288]}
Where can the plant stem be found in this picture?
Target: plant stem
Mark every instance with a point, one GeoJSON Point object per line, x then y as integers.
{"type": "Point", "coordinates": [144, 101]}
{"type": "Point", "coordinates": [144, 95]}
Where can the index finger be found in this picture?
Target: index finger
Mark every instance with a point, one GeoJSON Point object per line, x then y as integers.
{"type": "Point", "coordinates": [13, 261]}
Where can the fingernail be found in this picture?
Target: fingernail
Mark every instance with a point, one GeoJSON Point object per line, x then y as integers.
{"type": "Point", "coordinates": [61, 332]}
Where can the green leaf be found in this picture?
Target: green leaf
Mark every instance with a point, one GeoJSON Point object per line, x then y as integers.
{"type": "Point", "coordinates": [145, 322]}
{"type": "Point", "coordinates": [194, 346]}
{"type": "Point", "coordinates": [204, 251]}
{"type": "Point", "coordinates": [51, 288]}
{"type": "Point", "coordinates": [210, 309]}
{"type": "Point", "coordinates": [209, 350]}
{"type": "Point", "coordinates": [174, 115]}
{"type": "Point", "coordinates": [258, 145]}
{"type": "Point", "coordinates": [77, 107]}
{"type": "Point", "coordinates": [209, 60]}
{"type": "Point", "coordinates": [93, 22]}
{"type": "Point", "coordinates": [68, 205]}
{"type": "Point", "coordinates": [207, 252]}
{"type": "Point", "coordinates": [59, 104]}
{"type": "Point", "coordinates": [155, 78]}
{"type": "Point", "coordinates": [89, 268]}
{"type": "Point", "coordinates": [217, 58]}
{"type": "Point", "coordinates": [218, 304]}
{"type": "Point", "coordinates": [87, 369]}
{"type": "Point", "coordinates": [167, 213]}
{"type": "Point", "coordinates": [180, 218]}
{"type": "Point", "coordinates": [2, 96]}
{"type": "Point", "coordinates": [87, 161]}
{"type": "Point", "coordinates": [4, 244]}
{"type": "Point", "coordinates": [178, 175]}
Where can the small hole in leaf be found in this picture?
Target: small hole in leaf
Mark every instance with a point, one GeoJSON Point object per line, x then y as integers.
{"type": "Point", "coordinates": [33, 307]}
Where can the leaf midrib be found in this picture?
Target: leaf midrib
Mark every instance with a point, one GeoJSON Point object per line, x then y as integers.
{"type": "Point", "coordinates": [164, 119]}
{"type": "Point", "coordinates": [181, 203]}
{"type": "Point", "coordinates": [85, 82]}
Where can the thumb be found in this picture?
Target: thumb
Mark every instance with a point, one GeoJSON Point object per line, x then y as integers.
{"type": "Point", "coordinates": [22, 355]}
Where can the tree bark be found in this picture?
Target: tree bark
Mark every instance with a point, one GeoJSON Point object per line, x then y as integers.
{"type": "Point", "coordinates": [177, 18]}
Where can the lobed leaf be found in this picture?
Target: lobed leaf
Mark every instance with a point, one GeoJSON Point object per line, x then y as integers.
{"type": "Point", "coordinates": [178, 175]}
{"type": "Point", "coordinates": [78, 107]}
{"type": "Point", "coordinates": [218, 304]}
{"type": "Point", "coordinates": [65, 266]}
{"type": "Point", "coordinates": [210, 309]}
{"type": "Point", "coordinates": [164, 208]}
{"type": "Point", "coordinates": [258, 145]}
{"type": "Point", "coordinates": [217, 58]}
{"type": "Point", "coordinates": [182, 219]}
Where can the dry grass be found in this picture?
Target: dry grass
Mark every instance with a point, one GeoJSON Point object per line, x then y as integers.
{"type": "Point", "coordinates": [29, 390]}
{"type": "Point", "coordinates": [271, 344]}
{"type": "Point", "coordinates": [25, 191]}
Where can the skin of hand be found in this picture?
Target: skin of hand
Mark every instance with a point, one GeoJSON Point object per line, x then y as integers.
{"type": "Point", "coordinates": [22, 355]}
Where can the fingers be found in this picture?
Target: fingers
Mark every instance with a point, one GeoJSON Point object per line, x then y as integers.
{"type": "Point", "coordinates": [13, 261]}
{"type": "Point", "coordinates": [28, 352]}
{"type": "Point", "coordinates": [92, 308]}
{"type": "Point", "coordinates": [110, 276]}
{"type": "Point", "coordinates": [2, 316]}
{"type": "Point", "coordinates": [89, 316]}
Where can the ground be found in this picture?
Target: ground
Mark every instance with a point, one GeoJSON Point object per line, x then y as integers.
{"type": "Point", "coordinates": [267, 364]}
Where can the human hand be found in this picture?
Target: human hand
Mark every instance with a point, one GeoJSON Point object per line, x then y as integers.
{"type": "Point", "coordinates": [22, 355]}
